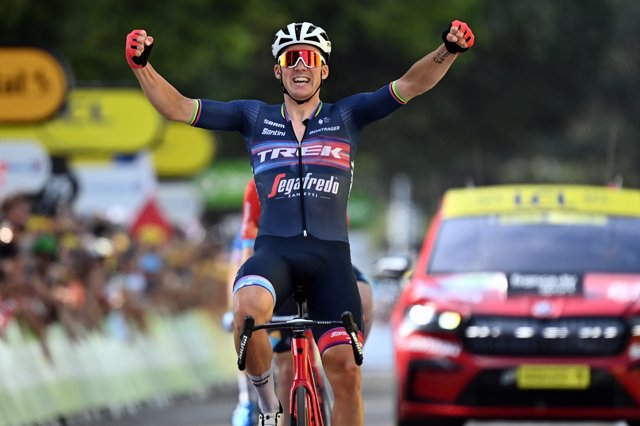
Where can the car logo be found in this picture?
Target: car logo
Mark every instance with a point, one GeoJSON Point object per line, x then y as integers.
{"type": "Point", "coordinates": [542, 309]}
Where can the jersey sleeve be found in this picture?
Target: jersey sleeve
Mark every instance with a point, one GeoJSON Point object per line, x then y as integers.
{"type": "Point", "coordinates": [250, 214]}
{"type": "Point", "coordinates": [365, 108]}
{"type": "Point", "coordinates": [216, 115]}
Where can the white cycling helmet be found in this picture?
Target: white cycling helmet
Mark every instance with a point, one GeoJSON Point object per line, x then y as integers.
{"type": "Point", "coordinates": [301, 33]}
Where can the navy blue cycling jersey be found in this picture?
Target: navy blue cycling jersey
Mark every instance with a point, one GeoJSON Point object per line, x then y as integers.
{"type": "Point", "coordinates": [303, 186]}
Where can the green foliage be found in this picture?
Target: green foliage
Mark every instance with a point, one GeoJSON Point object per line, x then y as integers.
{"type": "Point", "coordinates": [547, 93]}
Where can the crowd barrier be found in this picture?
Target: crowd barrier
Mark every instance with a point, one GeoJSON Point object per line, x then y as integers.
{"type": "Point", "coordinates": [111, 370]}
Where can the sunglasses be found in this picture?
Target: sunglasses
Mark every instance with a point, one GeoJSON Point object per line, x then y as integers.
{"type": "Point", "coordinates": [310, 58]}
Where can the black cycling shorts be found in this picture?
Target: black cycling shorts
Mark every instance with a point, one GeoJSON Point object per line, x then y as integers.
{"type": "Point", "coordinates": [281, 339]}
{"type": "Point", "coordinates": [323, 267]}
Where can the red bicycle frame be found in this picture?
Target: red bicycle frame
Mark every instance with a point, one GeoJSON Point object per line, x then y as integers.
{"type": "Point", "coordinates": [303, 354]}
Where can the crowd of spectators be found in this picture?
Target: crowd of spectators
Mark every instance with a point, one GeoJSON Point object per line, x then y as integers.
{"type": "Point", "coordinates": [88, 274]}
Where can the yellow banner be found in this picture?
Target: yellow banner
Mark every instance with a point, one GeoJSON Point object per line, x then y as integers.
{"type": "Point", "coordinates": [183, 151]}
{"type": "Point", "coordinates": [523, 198]}
{"type": "Point", "coordinates": [33, 85]}
{"type": "Point", "coordinates": [107, 120]}
{"type": "Point", "coordinates": [96, 121]}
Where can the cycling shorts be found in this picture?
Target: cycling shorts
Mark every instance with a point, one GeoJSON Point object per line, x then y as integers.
{"type": "Point", "coordinates": [324, 267]}
{"type": "Point", "coordinates": [281, 339]}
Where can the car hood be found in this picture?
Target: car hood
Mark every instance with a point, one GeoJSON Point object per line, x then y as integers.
{"type": "Point", "coordinates": [525, 294]}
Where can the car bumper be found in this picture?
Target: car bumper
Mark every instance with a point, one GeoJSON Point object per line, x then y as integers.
{"type": "Point", "coordinates": [486, 388]}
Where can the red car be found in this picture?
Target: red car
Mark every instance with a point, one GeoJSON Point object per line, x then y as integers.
{"type": "Point", "coordinates": [524, 304]}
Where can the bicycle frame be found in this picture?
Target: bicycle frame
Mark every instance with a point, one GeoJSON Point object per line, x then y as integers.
{"type": "Point", "coordinates": [302, 353]}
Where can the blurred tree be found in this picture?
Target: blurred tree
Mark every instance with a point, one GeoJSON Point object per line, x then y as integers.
{"type": "Point", "coordinates": [548, 93]}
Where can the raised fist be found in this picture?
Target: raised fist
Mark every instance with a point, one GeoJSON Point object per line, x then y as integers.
{"type": "Point", "coordinates": [137, 48]}
{"type": "Point", "coordinates": [458, 37]}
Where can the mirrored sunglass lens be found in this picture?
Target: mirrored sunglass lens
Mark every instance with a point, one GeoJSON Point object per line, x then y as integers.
{"type": "Point", "coordinates": [309, 57]}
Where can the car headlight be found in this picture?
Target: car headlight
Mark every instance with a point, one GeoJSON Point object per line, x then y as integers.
{"type": "Point", "coordinates": [634, 326]}
{"type": "Point", "coordinates": [427, 318]}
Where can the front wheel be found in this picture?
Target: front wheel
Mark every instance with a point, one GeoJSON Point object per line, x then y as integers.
{"type": "Point", "coordinates": [634, 422]}
{"type": "Point", "coordinates": [300, 415]}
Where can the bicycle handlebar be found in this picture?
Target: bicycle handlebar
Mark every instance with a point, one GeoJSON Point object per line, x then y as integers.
{"type": "Point", "coordinates": [299, 324]}
{"type": "Point", "coordinates": [352, 331]}
{"type": "Point", "coordinates": [247, 330]}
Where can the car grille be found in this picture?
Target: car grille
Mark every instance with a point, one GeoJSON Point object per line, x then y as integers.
{"type": "Point", "coordinates": [589, 336]}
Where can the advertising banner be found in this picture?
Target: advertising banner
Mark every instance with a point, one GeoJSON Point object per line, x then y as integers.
{"type": "Point", "coordinates": [33, 85]}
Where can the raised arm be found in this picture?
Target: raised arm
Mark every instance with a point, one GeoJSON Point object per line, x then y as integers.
{"type": "Point", "coordinates": [428, 71]}
{"type": "Point", "coordinates": [163, 96]}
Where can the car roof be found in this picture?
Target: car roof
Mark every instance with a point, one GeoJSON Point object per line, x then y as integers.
{"type": "Point", "coordinates": [505, 199]}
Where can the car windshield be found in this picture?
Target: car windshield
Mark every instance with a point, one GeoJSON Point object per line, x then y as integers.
{"type": "Point", "coordinates": [538, 243]}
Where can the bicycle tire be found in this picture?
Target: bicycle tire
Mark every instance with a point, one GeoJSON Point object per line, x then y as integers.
{"type": "Point", "coordinates": [325, 395]}
{"type": "Point", "coordinates": [301, 417]}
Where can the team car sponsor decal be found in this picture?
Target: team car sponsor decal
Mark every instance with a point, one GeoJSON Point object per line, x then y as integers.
{"type": "Point", "coordinates": [523, 198]}
{"type": "Point", "coordinates": [544, 284]}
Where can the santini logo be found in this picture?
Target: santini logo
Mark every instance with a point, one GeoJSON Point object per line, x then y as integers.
{"type": "Point", "coordinates": [270, 132]}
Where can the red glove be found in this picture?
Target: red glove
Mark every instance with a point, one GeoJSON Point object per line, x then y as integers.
{"type": "Point", "coordinates": [132, 47]}
{"type": "Point", "coordinates": [461, 30]}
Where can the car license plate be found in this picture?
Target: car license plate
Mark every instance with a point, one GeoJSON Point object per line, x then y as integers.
{"type": "Point", "coordinates": [541, 376]}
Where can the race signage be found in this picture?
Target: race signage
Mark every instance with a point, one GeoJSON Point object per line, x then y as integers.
{"type": "Point", "coordinates": [183, 151]}
{"type": "Point", "coordinates": [24, 167]}
{"type": "Point", "coordinates": [103, 120]}
{"type": "Point", "coordinates": [180, 202]}
{"type": "Point", "coordinates": [531, 198]}
{"type": "Point", "coordinates": [33, 85]}
{"type": "Point", "coordinates": [222, 185]}
{"type": "Point", "coordinates": [116, 189]}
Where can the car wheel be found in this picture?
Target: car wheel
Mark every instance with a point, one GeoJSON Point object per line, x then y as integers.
{"type": "Point", "coordinates": [634, 422]}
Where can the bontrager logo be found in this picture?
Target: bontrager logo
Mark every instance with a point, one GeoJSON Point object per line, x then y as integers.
{"type": "Point", "coordinates": [325, 129]}
{"type": "Point", "coordinates": [287, 187]}
{"type": "Point", "coordinates": [320, 150]}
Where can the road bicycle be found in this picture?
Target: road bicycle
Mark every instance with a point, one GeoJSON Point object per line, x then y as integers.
{"type": "Point", "coordinates": [304, 408]}
{"type": "Point", "coordinates": [325, 395]}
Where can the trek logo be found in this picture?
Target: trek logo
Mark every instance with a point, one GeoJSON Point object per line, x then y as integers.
{"type": "Point", "coordinates": [287, 187]}
{"type": "Point", "coordinates": [319, 150]}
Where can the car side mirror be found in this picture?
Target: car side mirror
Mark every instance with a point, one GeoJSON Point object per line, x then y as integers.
{"type": "Point", "coordinates": [395, 267]}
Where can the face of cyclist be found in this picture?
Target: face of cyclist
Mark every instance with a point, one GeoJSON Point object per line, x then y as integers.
{"type": "Point", "coordinates": [301, 70]}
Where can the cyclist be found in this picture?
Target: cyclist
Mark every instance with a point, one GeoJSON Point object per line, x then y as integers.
{"type": "Point", "coordinates": [281, 339]}
{"type": "Point", "coordinates": [302, 154]}
{"type": "Point", "coordinates": [246, 409]}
